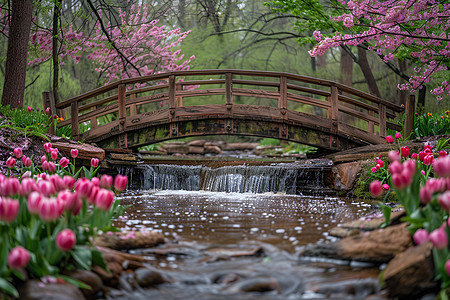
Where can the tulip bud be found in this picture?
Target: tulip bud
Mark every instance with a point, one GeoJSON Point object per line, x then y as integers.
{"type": "Point", "coordinates": [405, 151]}
{"type": "Point", "coordinates": [27, 162]}
{"type": "Point", "coordinates": [389, 139]}
{"type": "Point", "coordinates": [104, 199]}
{"type": "Point", "coordinates": [46, 187]}
{"type": "Point", "coordinates": [54, 154]}
{"type": "Point", "coordinates": [425, 195]}
{"type": "Point", "coordinates": [66, 240]}
{"type": "Point", "coordinates": [386, 186]}
{"type": "Point", "coordinates": [444, 200]}
{"type": "Point", "coordinates": [380, 162]}
{"type": "Point", "coordinates": [8, 209]}
{"type": "Point", "coordinates": [420, 236]}
{"type": "Point", "coordinates": [106, 181]}
{"type": "Point", "coordinates": [74, 153]}
{"type": "Point", "coordinates": [50, 209]}
{"type": "Point", "coordinates": [33, 202]}
{"type": "Point", "coordinates": [441, 166]}
{"type": "Point", "coordinates": [18, 258]}
{"type": "Point", "coordinates": [18, 152]}
{"type": "Point", "coordinates": [94, 162]}
{"type": "Point", "coordinates": [447, 267]}
{"type": "Point", "coordinates": [64, 162]}
{"type": "Point", "coordinates": [51, 167]}
{"type": "Point", "coordinates": [398, 135]}
{"type": "Point", "coordinates": [47, 147]}
{"type": "Point", "coordinates": [439, 238]}
{"type": "Point", "coordinates": [120, 183]}
{"type": "Point", "coordinates": [375, 188]}
{"type": "Point", "coordinates": [69, 182]}
{"type": "Point", "coordinates": [394, 156]}
{"type": "Point", "coordinates": [10, 162]}
{"type": "Point", "coordinates": [414, 155]}
{"type": "Point", "coordinates": [442, 154]}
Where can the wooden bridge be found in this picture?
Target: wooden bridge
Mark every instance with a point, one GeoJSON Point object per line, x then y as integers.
{"type": "Point", "coordinates": [134, 112]}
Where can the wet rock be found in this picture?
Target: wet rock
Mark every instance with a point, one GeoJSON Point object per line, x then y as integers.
{"type": "Point", "coordinates": [225, 277]}
{"type": "Point", "coordinates": [196, 150]}
{"type": "Point", "coordinates": [235, 252]}
{"type": "Point", "coordinates": [110, 277]}
{"type": "Point", "coordinates": [240, 146]}
{"type": "Point", "coordinates": [412, 268]}
{"type": "Point", "coordinates": [358, 288]}
{"type": "Point", "coordinates": [196, 143]}
{"type": "Point", "coordinates": [85, 151]}
{"type": "Point", "coordinates": [176, 148]}
{"type": "Point", "coordinates": [91, 279]}
{"type": "Point", "coordinates": [345, 175]}
{"type": "Point", "coordinates": [256, 284]}
{"type": "Point", "coordinates": [213, 149]}
{"type": "Point", "coordinates": [148, 277]}
{"type": "Point", "coordinates": [377, 246]}
{"type": "Point", "coordinates": [37, 290]}
{"type": "Point", "coordinates": [126, 240]}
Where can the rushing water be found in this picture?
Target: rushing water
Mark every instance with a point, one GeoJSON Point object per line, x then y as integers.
{"type": "Point", "coordinates": [243, 245]}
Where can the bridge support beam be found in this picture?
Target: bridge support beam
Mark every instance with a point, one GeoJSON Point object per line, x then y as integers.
{"type": "Point", "coordinates": [409, 115]}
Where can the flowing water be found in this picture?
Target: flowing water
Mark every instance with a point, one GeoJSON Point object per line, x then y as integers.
{"type": "Point", "coordinates": [224, 242]}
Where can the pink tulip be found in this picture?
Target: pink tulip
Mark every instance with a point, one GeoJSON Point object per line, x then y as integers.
{"type": "Point", "coordinates": [29, 109]}
{"type": "Point", "coordinates": [374, 170]}
{"type": "Point", "coordinates": [386, 186]}
{"type": "Point", "coordinates": [74, 153]}
{"type": "Point", "coordinates": [54, 154]}
{"type": "Point", "coordinates": [439, 238]}
{"type": "Point", "coordinates": [66, 240]}
{"type": "Point", "coordinates": [46, 187]}
{"type": "Point", "coordinates": [375, 188]}
{"type": "Point", "coordinates": [50, 209]}
{"type": "Point", "coordinates": [389, 139]}
{"type": "Point", "coordinates": [441, 166]}
{"type": "Point", "coordinates": [394, 156]}
{"type": "Point", "coordinates": [18, 152]}
{"type": "Point", "coordinates": [104, 199]}
{"type": "Point", "coordinates": [18, 258]}
{"type": "Point", "coordinates": [47, 147]}
{"type": "Point", "coordinates": [45, 166]}
{"type": "Point", "coordinates": [27, 163]}
{"type": "Point", "coordinates": [94, 162]}
{"type": "Point", "coordinates": [398, 135]}
{"type": "Point", "coordinates": [92, 194]}
{"type": "Point", "coordinates": [422, 155]}
{"type": "Point", "coordinates": [414, 156]}
{"type": "Point", "coordinates": [425, 194]}
{"type": "Point", "coordinates": [43, 158]}
{"type": "Point", "coordinates": [420, 236]}
{"type": "Point", "coordinates": [34, 199]}
{"type": "Point", "coordinates": [57, 182]}
{"type": "Point", "coordinates": [8, 209]}
{"type": "Point", "coordinates": [447, 267]}
{"type": "Point", "coordinates": [106, 181]}
{"type": "Point", "coordinates": [47, 110]}
{"type": "Point", "coordinates": [64, 162]}
{"type": "Point", "coordinates": [10, 162]}
{"type": "Point", "coordinates": [95, 181]}
{"type": "Point", "coordinates": [120, 183]}
{"type": "Point", "coordinates": [11, 186]}
{"type": "Point", "coordinates": [83, 186]}
{"type": "Point", "coordinates": [69, 182]}
{"type": "Point", "coordinates": [51, 167]}
{"type": "Point", "coordinates": [380, 162]}
{"type": "Point", "coordinates": [428, 159]}
{"type": "Point", "coordinates": [72, 202]}
{"type": "Point", "coordinates": [27, 186]}
{"type": "Point", "coordinates": [404, 151]}
{"type": "Point", "coordinates": [395, 167]}
{"type": "Point", "coordinates": [444, 200]}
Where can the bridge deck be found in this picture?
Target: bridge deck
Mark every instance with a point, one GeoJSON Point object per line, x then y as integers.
{"type": "Point", "coordinates": [311, 111]}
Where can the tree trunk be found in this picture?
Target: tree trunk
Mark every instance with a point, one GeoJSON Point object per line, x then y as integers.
{"type": "Point", "coordinates": [367, 71]}
{"type": "Point", "coordinates": [55, 48]}
{"type": "Point", "coordinates": [16, 56]}
{"type": "Point", "coordinates": [346, 68]}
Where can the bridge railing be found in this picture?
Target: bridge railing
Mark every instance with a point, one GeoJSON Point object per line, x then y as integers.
{"type": "Point", "coordinates": [290, 92]}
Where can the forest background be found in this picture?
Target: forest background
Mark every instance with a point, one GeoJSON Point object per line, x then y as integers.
{"type": "Point", "coordinates": [223, 34]}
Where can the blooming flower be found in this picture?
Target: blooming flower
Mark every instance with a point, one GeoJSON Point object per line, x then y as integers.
{"type": "Point", "coordinates": [74, 153]}
{"type": "Point", "coordinates": [389, 139]}
{"type": "Point", "coordinates": [420, 236]}
{"type": "Point", "coordinates": [398, 135]}
{"type": "Point", "coordinates": [375, 188]}
{"type": "Point", "coordinates": [10, 162]}
{"type": "Point", "coordinates": [439, 238]}
{"type": "Point", "coordinates": [8, 209]}
{"type": "Point", "coordinates": [65, 240]}
{"type": "Point", "coordinates": [63, 162]}
{"type": "Point", "coordinates": [94, 162]}
{"type": "Point", "coordinates": [120, 183]}
{"type": "Point", "coordinates": [104, 199]}
{"type": "Point", "coordinates": [18, 152]}
{"type": "Point", "coordinates": [18, 258]}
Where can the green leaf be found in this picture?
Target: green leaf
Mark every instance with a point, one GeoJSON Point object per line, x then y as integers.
{"type": "Point", "coordinates": [98, 259]}
{"type": "Point", "coordinates": [83, 257]}
{"type": "Point", "coordinates": [75, 282]}
{"type": "Point", "coordinates": [8, 288]}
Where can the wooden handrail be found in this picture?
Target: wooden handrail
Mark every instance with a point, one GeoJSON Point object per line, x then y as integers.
{"type": "Point", "coordinates": [325, 94]}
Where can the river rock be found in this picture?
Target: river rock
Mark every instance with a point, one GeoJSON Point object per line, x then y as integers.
{"type": "Point", "coordinates": [240, 146]}
{"type": "Point", "coordinates": [91, 279]}
{"type": "Point", "coordinates": [196, 143]}
{"type": "Point", "coordinates": [196, 150]}
{"type": "Point", "coordinates": [348, 289]}
{"type": "Point", "coordinates": [256, 284]}
{"type": "Point", "coordinates": [110, 277]}
{"type": "Point", "coordinates": [176, 148]}
{"type": "Point", "coordinates": [377, 246]}
{"type": "Point", "coordinates": [345, 175]}
{"type": "Point", "coordinates": [410, 274]}
{"type": "Point", "coordinates": [146, 277]}
{"type": "Point", "coordinates": [213, 149]}
{"type": "Point", "coordinates": [126, 240]}
{"type": "Point", "coordinates": [37, 290]}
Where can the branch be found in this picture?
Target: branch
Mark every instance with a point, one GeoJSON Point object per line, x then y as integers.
{"type": "Point", "coordinates": [122, 56]}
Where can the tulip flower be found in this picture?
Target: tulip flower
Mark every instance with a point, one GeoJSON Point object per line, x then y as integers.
{"type": "Point", "coordinates": [398, 135]}
{"type": "Point", "coordinates": [51, 167]}
{"type": "Point", "coordinates": [428, 159]}
{"type": "Point", "coordinates": [447, 267]}
{"type": "Point", "coordinates": [64, 162]}
{"type": "Point", "coordinates": [54, 154]}
{"type": "Point", "coordinates": [11, 186]}
{"type": "Point", "coordinates": [26, 161]}
{"type": "Point", "coordinates": [104, 199]}
{"type": "Point", "coordinates": [10, 162]}
{"type": "Point", "coordinates": [18, 152]}
{"type": "Point", "coordinates": [50, 209]}
{"type": "Point", "coordinates": [389, 139]}
{"type": "Point", "coordinates": [444, 200]}
{"type": "Point", "coordinates": [375, 188]}
{"type": "Point", "coordinates": [69, 182]}
{"type": "Point", "coordinates": [106, 181]}
{"type": "Point", "coordinates": [394, 156]}
{"type": "Point", "coordinates": [95, 181]}
{"type": "Point", "coordinates": [83, 186]}
{"type": "Point", "coordinates": [34, 199]}
{"type": "Point", "coordinates": [441, 166]}
{"type": "Point", "coordinates": [66, 240]}
{"type": "Point", "coordinates": [29, 109]}
{"type": "Point", "coordinates": [404, 151]}
{"type": "Point", "coordinates": [420, 236]}
{"type": "Point", "coordinates": [18, 258]}
{"type": "Point", "coordinates": [414, 155]}
{"type": "Point", "coordinates": [380, 162]}
{"type": "Point", "coordinates": [8, 209]}
{"type": "Point", "coordinates": [386, 186]}
{"type": "Point", "coordinates": [74, 153]}
{"type": "Point", "coordinates": [120, 183]}
{"type": "Point", "coordinates": [442, 154]}
{"type": "Point", "coordinates": [374, 170]}
{"type": "Point", "coordinates": [27, 186]}
{"type": "Point", "coordinates": [46, 187]}
{"type": "Point", "coordinates": [47, 147]}
{"type": "Point", "coordinates": [94, 162]}
{"type": "Point", "coordinates": [72, 201]}
{"type": "Point", "coordinates": [425, 195]}
{"type": "Point", "coordinates": [439, 238]}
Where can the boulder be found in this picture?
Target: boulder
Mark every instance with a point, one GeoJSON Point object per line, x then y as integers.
{"type": "Point", "coordinates": [196, 150]}
{"type": "Point", "coordinates": [412, 268]}
{"type": "Point", "coordinates": [37, 290]}
{"type": "Point", "coordinates": [126, 240]}
{"type": "Point", "coordinates": [176, 148]}
{"type": "Point", "coordinates": [213, 149]}
{"type": "Point", "coordinates": [91, 279]}
{"type": "Point", "coordinates": [378, 246]}
{"type": "Point", "coordinates": [146, 277]}
{"type": "Point", "coordinates": [345, 175]}
{"type": "Point", "coordinates": [196, 143]}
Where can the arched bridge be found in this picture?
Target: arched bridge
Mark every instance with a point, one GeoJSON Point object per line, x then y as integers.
{"type": "Point", "coordinates": [134, 112]}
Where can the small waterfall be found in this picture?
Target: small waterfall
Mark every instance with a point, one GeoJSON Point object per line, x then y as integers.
{"type": "Point", "coordinates": [280, 178]}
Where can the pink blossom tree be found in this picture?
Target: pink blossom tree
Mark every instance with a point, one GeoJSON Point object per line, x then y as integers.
{"type": "Point", "coordinates": [414, 30]}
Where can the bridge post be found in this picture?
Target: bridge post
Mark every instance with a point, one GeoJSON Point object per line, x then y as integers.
{"type": "Point", "coordinates": [382, 119]}
{"type": "Point", "coordinates": [74, 119]}
{"type": "Point", "coordinates": [172, 105]}
{"type": "Point", "coordinates": [409, 115]}
{"type": "Point", "coordinates": [228, 90]}
{"type": "Point", "coordinates": [121, 93]}
{"type": "Point", "coordinates": [333, 114]}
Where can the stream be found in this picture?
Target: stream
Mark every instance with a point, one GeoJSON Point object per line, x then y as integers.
{"type": "Point", "coordinates": [242, 245]}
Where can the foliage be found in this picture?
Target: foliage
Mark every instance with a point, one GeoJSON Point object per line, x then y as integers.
{"type": "Point", "coordinates": [422, 185]}
{"type": "Point", "coordinates": [414, 31]}
{"type": "Point", "coordinates": [269, 142]}
{"type": "Point", "coordinates": [52, 217]}
{"type": "Point", "coordinates": [36, 120]}
{"type": "Point", "coordinates": [430, 125]}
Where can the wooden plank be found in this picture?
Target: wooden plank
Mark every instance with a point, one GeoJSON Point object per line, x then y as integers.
{"type": "Point", "coordinates": [394, 126]}
{"type": "Point", "coordinates": [371, 124]}
{"type": "Point", "coordinates": [308, 90]}
{"type": "Point", "coordinates": [133, 108]}
{"type": "Point", "coordinates": [333, 99]}
{"type": "Point", "coordinates": [256, 93]}
{"type": "Point", "coordinates": [358, 114]}
{"type": "Point", "coordinates": [74, 119]}
{"type": "Point", "coordinates": [201, 82]}
{"type": "Point", "coordinates": [122, 106]}
{"type": "Point", "coordinates": [93, 118]}
{"type": "Point", "coordinates": [256, 83]}
{"type": "Point", "coordinates": [409, 114]}
{"type": "Point", "coordinates": [308, 100]}
{"type": "Point", "coordinates": [359, 135]}
{"type": "Point", "coordinates": [88, 95]}
{"type": "Point", "coordinates": [228, 90]}
{"type": "Point", "coordinates": [363, 105]}
{"type": "Point", "coordinates": [282, 100]}
{"type": "Point", "coordinates": [382, 117]}
{"type": "Point", "coordinates": [172, 90]}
